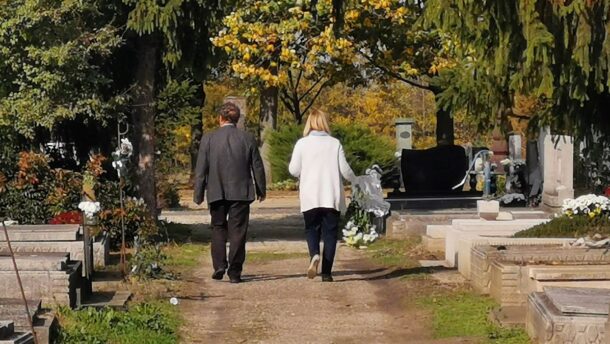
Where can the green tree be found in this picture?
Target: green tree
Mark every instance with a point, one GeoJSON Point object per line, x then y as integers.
{"type": "Point", "coordinates": [170, 40]}
{"type": "Point", "coordinates": [52, 63]}
{"type": "Point", "coordinates": [285, 46]}
{"type": "Point", "coordinates": [557, 52]}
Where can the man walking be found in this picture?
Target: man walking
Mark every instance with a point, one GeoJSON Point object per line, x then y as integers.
{"type": "Point", "coordinates": [227, 162]}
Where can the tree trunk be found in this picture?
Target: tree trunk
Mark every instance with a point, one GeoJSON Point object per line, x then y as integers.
{"type": "Point", "coordinates": [144, 121]}
{"type": "Point", "coordinates": [444, 127]}
{"type": "Point", "coordinates": [197, 133]}
{"type": "Point", "coordinates": [268, 121]}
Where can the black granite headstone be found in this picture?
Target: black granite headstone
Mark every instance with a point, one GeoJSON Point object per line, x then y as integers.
{"type": "Point", "coordinates": [433, 171]}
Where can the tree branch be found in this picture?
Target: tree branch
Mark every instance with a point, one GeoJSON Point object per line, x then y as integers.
{"type": "Point", "coordinates": [290, 78]}
{"type": "Point", "coordinates": [315, 96]}
{"type": "Point", "coordinates": [301, 71]}
{"type": "Point", "coordinates": [394, 74]}
{"type": "Point", "coordinates": [310, 89]}
{"type": "Point", "coordinates": [285, 98]}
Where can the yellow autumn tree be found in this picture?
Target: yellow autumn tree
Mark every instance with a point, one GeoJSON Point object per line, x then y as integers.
{"type": "Point", "coordinates": [286, 44]}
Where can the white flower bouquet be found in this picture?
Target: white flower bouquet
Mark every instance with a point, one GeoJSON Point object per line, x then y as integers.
{"type": "Point", "coordinates": [590, 205]}
{"type": "Point", "coordinates": [367, 200]}
{"type": "Point", "coordinates": [89, 208]}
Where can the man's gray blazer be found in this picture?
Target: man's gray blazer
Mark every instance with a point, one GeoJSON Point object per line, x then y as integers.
{"type": "Point", "coordinates": [228, 159]}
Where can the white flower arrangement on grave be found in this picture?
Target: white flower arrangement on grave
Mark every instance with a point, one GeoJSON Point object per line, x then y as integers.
{"type": "Point", "coordinates": [121, 157]}
{"type": "Point", "coordinates": [367, 200]}
{"type": "Point", "coordinates": [89, 208]}
{"type": "Point", "coordinates": [589, 205]}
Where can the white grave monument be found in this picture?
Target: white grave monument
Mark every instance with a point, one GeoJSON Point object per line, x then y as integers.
{"type": "Point", "coordinates": [558, 168]}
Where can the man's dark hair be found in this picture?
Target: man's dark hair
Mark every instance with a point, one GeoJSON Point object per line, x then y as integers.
{"type": "Point", "coordinates": [229, 112]}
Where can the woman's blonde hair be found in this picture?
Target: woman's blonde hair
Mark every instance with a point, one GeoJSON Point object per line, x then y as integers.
{"type": "Point", "coordinates": [317, 120]}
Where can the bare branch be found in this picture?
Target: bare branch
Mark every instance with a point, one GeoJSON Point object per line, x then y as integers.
{"type": "Point", "coordinates": [310, 89]}
{"type": "Point", "coordinates": [315, 96]}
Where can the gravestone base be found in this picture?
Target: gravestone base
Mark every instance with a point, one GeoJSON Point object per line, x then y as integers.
{"type": "Point", "coordinates": [555, 200]}
{"type": "Point", "coordinates": [484, 256]}
{"type": "Point", "coordinates": [568, 315]}
{"type": "Point", "coordinates": [403, 224]}
{"type": "Point", "coordinates": [511, 283]}
{"type": "Point", "coordinates": [58, 287]}
{"type": "Point", "coordinates": [478, 229]}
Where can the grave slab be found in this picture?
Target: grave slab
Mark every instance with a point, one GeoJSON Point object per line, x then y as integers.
{"type": "Point", "coordinates": [482, 257]}
{"type": "Point", "coordinates": [580, 300]}
{"type": "Point", "coordinates": [511, 283]}
{"type": "Point", "coordinates": [55, 261]}
{"type": "Point", "coordinates": [546, 323]}
{"type": "Point", "coordinates": [466, 243]}
{"type": "Point", "coordinates": [53, 287]}
{"type": "Point", "coordinates": [74, 248]}
{"type": "Point", "coordinates": [42, 233]}
{"type": "Point", "coordinates": [482, 228]}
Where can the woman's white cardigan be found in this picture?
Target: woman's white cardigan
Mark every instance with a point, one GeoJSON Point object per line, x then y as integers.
{"type": "Point", "coordinates": [318, 160]}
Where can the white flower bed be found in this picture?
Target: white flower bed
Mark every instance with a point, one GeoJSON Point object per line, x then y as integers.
{"type": "Point", "coordinates": [591, 205]}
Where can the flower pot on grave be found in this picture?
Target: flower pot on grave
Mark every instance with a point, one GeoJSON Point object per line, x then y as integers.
{"type": "Point", "coordinates": [379, 222]}
{"type": "Point", "coordinates": [90, 220]}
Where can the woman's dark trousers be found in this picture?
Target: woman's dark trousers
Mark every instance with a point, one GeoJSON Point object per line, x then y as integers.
{"type": "Point", "coordinates": [322, 223]}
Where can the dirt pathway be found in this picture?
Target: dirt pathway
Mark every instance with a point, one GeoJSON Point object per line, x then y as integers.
{"type": "Point", "coordinates": [278, 304]}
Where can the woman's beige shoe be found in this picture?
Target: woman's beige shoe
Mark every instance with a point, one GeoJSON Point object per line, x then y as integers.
{"type": "Point", "coordinates": [312, 272]}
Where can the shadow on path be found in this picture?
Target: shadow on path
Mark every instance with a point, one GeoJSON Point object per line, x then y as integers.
{"type": "Point", "coordinates": [393, 273]}
{"type": "Point", "coordinates": [277, 227]}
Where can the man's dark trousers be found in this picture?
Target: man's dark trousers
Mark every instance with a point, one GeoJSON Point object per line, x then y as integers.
{"type": "Point", "coordinates": [229, 223]}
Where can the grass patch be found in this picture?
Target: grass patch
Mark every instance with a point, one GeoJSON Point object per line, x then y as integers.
{"type": "Point", "coordinates": [395, 253]}
{"type": "Point", "coordinates": [464, 314]}
{"type": "Point", "coordinates": [265, 257]}
{"type": "Point", "coordinates": [152, 322]}
{"type": "Point", "coordinates": [185, 255]}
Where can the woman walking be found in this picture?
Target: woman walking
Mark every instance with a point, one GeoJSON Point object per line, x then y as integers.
{"type": "Point", "coordinates": [318, 160]}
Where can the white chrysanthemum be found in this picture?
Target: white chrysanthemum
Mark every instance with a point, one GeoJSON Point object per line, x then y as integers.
{"type": "Point", "coordinates": [89, 208]}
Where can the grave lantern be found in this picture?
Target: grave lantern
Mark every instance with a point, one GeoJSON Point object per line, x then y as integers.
{"type": "Point", "coordinates": [404, 133]}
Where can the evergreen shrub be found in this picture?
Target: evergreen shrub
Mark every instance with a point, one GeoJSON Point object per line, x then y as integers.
{"type": "Point", "coordinates": [363, 148]}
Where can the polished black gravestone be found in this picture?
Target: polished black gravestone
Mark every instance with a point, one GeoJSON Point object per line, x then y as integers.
{"type": "Point", "coordinates": [429, 177]}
